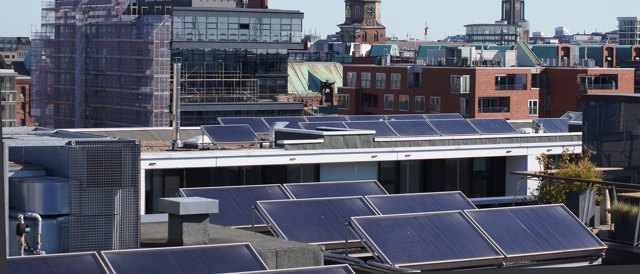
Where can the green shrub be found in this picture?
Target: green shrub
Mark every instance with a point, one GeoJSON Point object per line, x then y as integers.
{"type": "Point", "coordinates": [622, 212]}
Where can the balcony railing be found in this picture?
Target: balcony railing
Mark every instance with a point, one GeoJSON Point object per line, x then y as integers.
{"type": "Point", "coordinates": [511, 87]}
{"type": "Point", "coordinates": [598, 87]}
{"type": "Point", "coordinates": [494, 110]}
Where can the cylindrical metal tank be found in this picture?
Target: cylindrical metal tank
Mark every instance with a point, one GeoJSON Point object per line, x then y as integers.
{"type": "Point", "coordinates": [43, 195]}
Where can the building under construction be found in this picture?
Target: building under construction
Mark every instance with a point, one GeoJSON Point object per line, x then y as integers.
{"type": "Point", "coordinates": [107, 63]}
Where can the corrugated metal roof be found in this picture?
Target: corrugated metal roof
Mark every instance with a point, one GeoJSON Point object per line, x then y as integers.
{"type": "Point", "coordinates": [307, 77]}
{"type": "Point", "coordinates": [546, 51]}
{"type": "Point", "coordinates": [381, 50]}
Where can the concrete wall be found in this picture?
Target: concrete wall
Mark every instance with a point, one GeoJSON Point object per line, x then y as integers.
{"type": "Point", "coordinates": [213, 3]}
{"type": "Point", "coordinates": [348, 172]}
{"type": "Point", "coordinates": [520, 163]}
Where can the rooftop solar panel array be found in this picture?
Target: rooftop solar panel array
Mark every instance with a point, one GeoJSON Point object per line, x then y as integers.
{"type": "Point", "coordinates": [381, 128]}
{"type": "Point", "coordinates": [232, 134]}
{"type": "Point", "coordinates": [335, 189]}
{"type": "Point", "coordinates": [198, 259]}
{"type": "Point", "coordinates": [88, 263]}
{"type": "Point", "coordinates": [453, 127]}
{"type": "Point", "coordinates": [236, 202]}
{"type": "Point", "coordinates": [420, 202]}
{"type": "Point", "coordinates": [493, 126]}
{"type": "Point", "coordinates": [319, 221]}
{"type": "Point", "coordinates": [293, 121]}
{"type": "Point", "coordinates": [412, 128]}
{"type": "Point", "coordinates": [406, 117]}
{"type": "Point", "coordinates": [256, 124]}
{"type": "Point", "coordinates": [431, 240]}
{"type": "Point", "coordinates": [330, 269]}
{"type": "Point", "coordinates": [358, 118]}
{"type": "Point", "coordinates": [316, 125]}
{"type": "Point", "coordinates": [314, 119]}
{"type": "Point", "coordinates": [554, 125]}
{"type": "Point", "coordinates": [444, 116]}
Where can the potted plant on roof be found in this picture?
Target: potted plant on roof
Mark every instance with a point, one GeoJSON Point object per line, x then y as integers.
{"type": "Point", "coordinates": [625, 218]}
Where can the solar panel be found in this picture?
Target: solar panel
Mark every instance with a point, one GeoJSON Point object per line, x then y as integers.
{"type": "Point", "coordinates": [358, 118]}
{"type": "Point", "coordinates": [406, 117]}
{"type": "Point", "coordinates": [412, 128]}
{"type": "Point", "coordinates": [334, 118]}
{"type": "Point", "coordinates": [57, 264]}
{"type": "Point", "coordinates": [453, 127]}
{"type": "Point", "coordinates": [236, 202]}
{"type": "Point", "coordinates": [493, 126]}
{"type": "Point", "coordinates": [382, 129]}
{"type": "Point", "coordinates": [554, 125]}
{"type": "Point", "coordinates": [234, 134]}
{"type": "Point", "coordinates": [335, 189]}
{"type": "Point", "coordinates": [293, 121]}
{"type": "Point", "coordinates": [319, 221]}
{"type": "Point", "coordinates": [536, 230]}
{"type": "Point", "coordinates": [197, 259]}
{"type": "Point", "coordinates": [331, 269]}
{"type": "Point", "coordinates": [256, 124]}
{"type": "Point", "coordinates": [315, 125]}
{"type": "Point", "coordinates": [444, 116]}
{"type": "Point", "coordinates": [436, 240]}
{"type": "Point", "coordinates": [420, 202]}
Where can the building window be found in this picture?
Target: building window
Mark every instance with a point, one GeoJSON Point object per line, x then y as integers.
{"type": "Point", "coordinates": [539, 81]}
{"type": "Point", "coordinates": [533, 107]}
{"type": "Point", "coordinates": [599, 82]}
{"type": "Point", "coordinates": [464, 107]}
{"type": "Point", "coordinates": [351, 79]}
{"type": "Point", "coordinates": [396, 79]}
{"type": "Point", "coordinates": [403, 103]}
{"type": "Point", "coordinates": [381, 80]}
{"type": "Point", "coordinates": [420, 104]}
{"type": "Point", "coordinates": [369, 100]}
{"type": "Point", "coordinates": [511, 82]}
{"type": "Point", "coordinates": [434, 105]}
{"type": "Point", "coordinates": [460, 83]}
{"type": "Point", "coordinates": [388, 102]}
{"type": "Point", "coordinates": [494, 104]}
{"type": "Point", "coordinates": [343, 101]}
{"type": "Point", "coordinates": [366, 80]}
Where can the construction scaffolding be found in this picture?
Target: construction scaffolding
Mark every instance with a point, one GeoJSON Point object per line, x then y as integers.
{"type": "Point", "coordinates": [213, 83]}
{"type": "Point", "coordinates": [94, 66]}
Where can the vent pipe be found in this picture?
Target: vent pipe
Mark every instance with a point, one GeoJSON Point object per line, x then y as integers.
{"type": "Point", "coordinates": [175, 117]}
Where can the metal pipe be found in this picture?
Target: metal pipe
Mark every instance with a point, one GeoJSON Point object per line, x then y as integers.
{"type": "Point", "coordinates": [20, 218]}
{"type": "Point", "coordinates": [35, 216]}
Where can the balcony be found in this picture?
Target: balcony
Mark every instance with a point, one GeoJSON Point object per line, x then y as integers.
{"type": "Point", "coordinates": [598, 87]}
{"type": "Point", "coordinates": [494, 105]}
{"type": "Point", "coordinates": [494, 109]}
{"type": "Point", "coordinates": [511, 87]}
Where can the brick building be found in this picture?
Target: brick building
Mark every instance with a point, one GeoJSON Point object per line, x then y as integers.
{"type": "Point", "coordinates": [475, 92]}
{"type": "Point", "coordinates": [363, 22]}
{"type": "Point", "coordinates": [23, 86]}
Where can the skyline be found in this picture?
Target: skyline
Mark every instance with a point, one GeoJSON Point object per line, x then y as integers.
{"type": "Point", "coordinates": [442, 21]}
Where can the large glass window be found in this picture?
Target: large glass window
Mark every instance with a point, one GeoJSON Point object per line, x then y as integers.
{"type": "Point", "coordinates": [533, 107]}
{"type": "Point", "coordinates": [381, 80]}
{"type": "Point", "coordinates": [396, 80]}
{"type": "Point", "coordinates": [403, 103]}
{"type": "Point", "coordinates": [212, 28]}
{"type": "Point", "coordinates": [434, 104]}
{"type": "Point", "coordinates": [420, 104]}
{"type": "Point", "coordinates": [366, 80]}
{"type": "Point", "coordinates": [343, 101]}
{"type": "Point", "coordinates": [389, 103]}
{"type": "Point", "coordinates": [351, 79]}
{"type": "Point", "coordinates": [460, 83]}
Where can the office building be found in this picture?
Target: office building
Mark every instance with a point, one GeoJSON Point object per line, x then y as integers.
{"type": "Point", "coordinates": [14, 48]}
{"type": "Point", "coordinates": [629, 30]}
{"type": "Point", "coordinates": [512, 26]}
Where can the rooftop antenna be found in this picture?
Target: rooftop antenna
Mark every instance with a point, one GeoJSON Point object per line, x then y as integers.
{"type": "Point", "coordinates": [175, 116]}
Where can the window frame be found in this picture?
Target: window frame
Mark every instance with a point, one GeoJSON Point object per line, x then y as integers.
{"type": "Point", "coordinates": [400, 103]}
{"type": "Point", "coordinates": [396, 80]}
{"type": "Point", "coordinates": [364, 80]}
{"type": "Point", "coordinates": [438, 104]}
{"type": "Point", "coordinates": [341, 101]}
{"type": "Point", "coordinates": [352, 81]}
{"type": "Point", "coordinates": [537, 108]}
{"type": "Point", "coordinates": [381, 82]}
{"type": "Point", "coordinates": [385, 101]}
{"type": "Point", "coordinates": [424, 104]}
{"type": "Point", "coordinates": [460, 84]}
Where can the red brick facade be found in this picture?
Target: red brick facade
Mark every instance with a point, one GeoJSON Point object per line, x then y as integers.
{"type": "Point", "coordinates": [23, 118]}
{"type": "Point", "coordinates": [558, 92]}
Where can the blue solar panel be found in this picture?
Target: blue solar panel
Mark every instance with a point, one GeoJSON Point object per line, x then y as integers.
{"type": "Point", "coordinates": [358, 118]}
{"type": "Point", "coordinates": [236, 202]}
{"type": "Point", "coordinates": [317, 119]}
{"type": "Point", "coordinates": [330, 269]}
{"type": "Point", "coordinates": [406, 117]}
{"type": "Point", "coordinates": [420, 202]}
{"type": "Point", "coordinates": [335, 189]}
{"type": "Point", "coordinates": [198, 259]}
{"type": "Point", "coordinates": [444, 116]}
{"type": "Point", "coordinates": [554, 125]}
{"type": "Point", "coordinates": [293, 121]}
{"type": "Point", "coordinates": [412, 128]}
{"type": "Point", "coordinates": [382, 129]}
{"type": "Point", "coordinates": [536, 230]}
{"type": "Point", "coordinates": [453, 127]}
{"type": "Point", "coordinates": [314, 126]}
{"type": "Point", "coordinates": [493, 126]}
{"type": "Point", "coordinates": [57, 264]}
{"type": "Point", "coordinates": [256, 124]}
{"type": "Point", "coordinates": [319, 221]}
{"type": "Point", "coordinates": [436, 240]}
{"type": "Point", "coordinates": [234, 134]}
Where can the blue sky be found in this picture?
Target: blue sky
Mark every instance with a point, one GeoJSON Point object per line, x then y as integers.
{"type": "Point", "coordinates": [404, 17]}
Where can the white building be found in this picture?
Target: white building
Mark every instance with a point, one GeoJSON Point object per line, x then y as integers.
{"type": "Point", "coordinates": [629, 30]}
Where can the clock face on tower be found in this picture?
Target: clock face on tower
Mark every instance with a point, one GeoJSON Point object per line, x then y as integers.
{"type": "Point", "coordinates": [517, 6]}
{"type": "Point", "coordinates": [370, 10]}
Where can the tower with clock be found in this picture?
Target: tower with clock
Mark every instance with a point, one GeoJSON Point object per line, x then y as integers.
{"type": "Point", "coordinates": [513, 11]}
{"type": "Point", "coordinates": [362, 22]}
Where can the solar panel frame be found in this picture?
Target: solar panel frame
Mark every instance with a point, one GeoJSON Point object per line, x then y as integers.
{"type": "Point", "coordinates": [259, 263]}
{"type": "Point", "coordinates": [339, 238]}
{"type": "Point", "coordinates": [444, 116]}
{"type": "Point", "coordinates": [406, 117]}
{"type": "Point", "coordinates": [330, 269]}
{"type": "Point", "coordinates": [330, 118]}
{"type": "Point", "coordinates": [403, 128]}
{"type": "Point", "coordinates": [250, 136]}
{"type": "Point", "coordinates": [456, 125]}
{"type": "Point", "coordinates": [227, 199]}
{"type": "Point", "coordinates": [378, 253]}
{"type": "Point", "coordinates": [316, 125]}
{"type": "Point", "coordinates": [294, 121]}
{"type": "Point", "coordinates": [365, 118]}
{"type": "Point", "coordinates": [500, 126]}
{"type": "Point", "coordinates": [379, 207]}
{"type": "Point", "coordinates": [257, 124]}
{"type": "Point", "coordinates": [291, 188]}
{"type": "Point", "coordinates": [381, 128]}
{"type": "Point", "coordinates": [541, 255]}
{"type": "Point", "coordinates": [552, 125]}
{"type": "Point", "coordinates": [28, 261]}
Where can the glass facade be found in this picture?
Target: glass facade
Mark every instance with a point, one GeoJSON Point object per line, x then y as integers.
{"type": "Point", "coordinates": [237, 29]}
